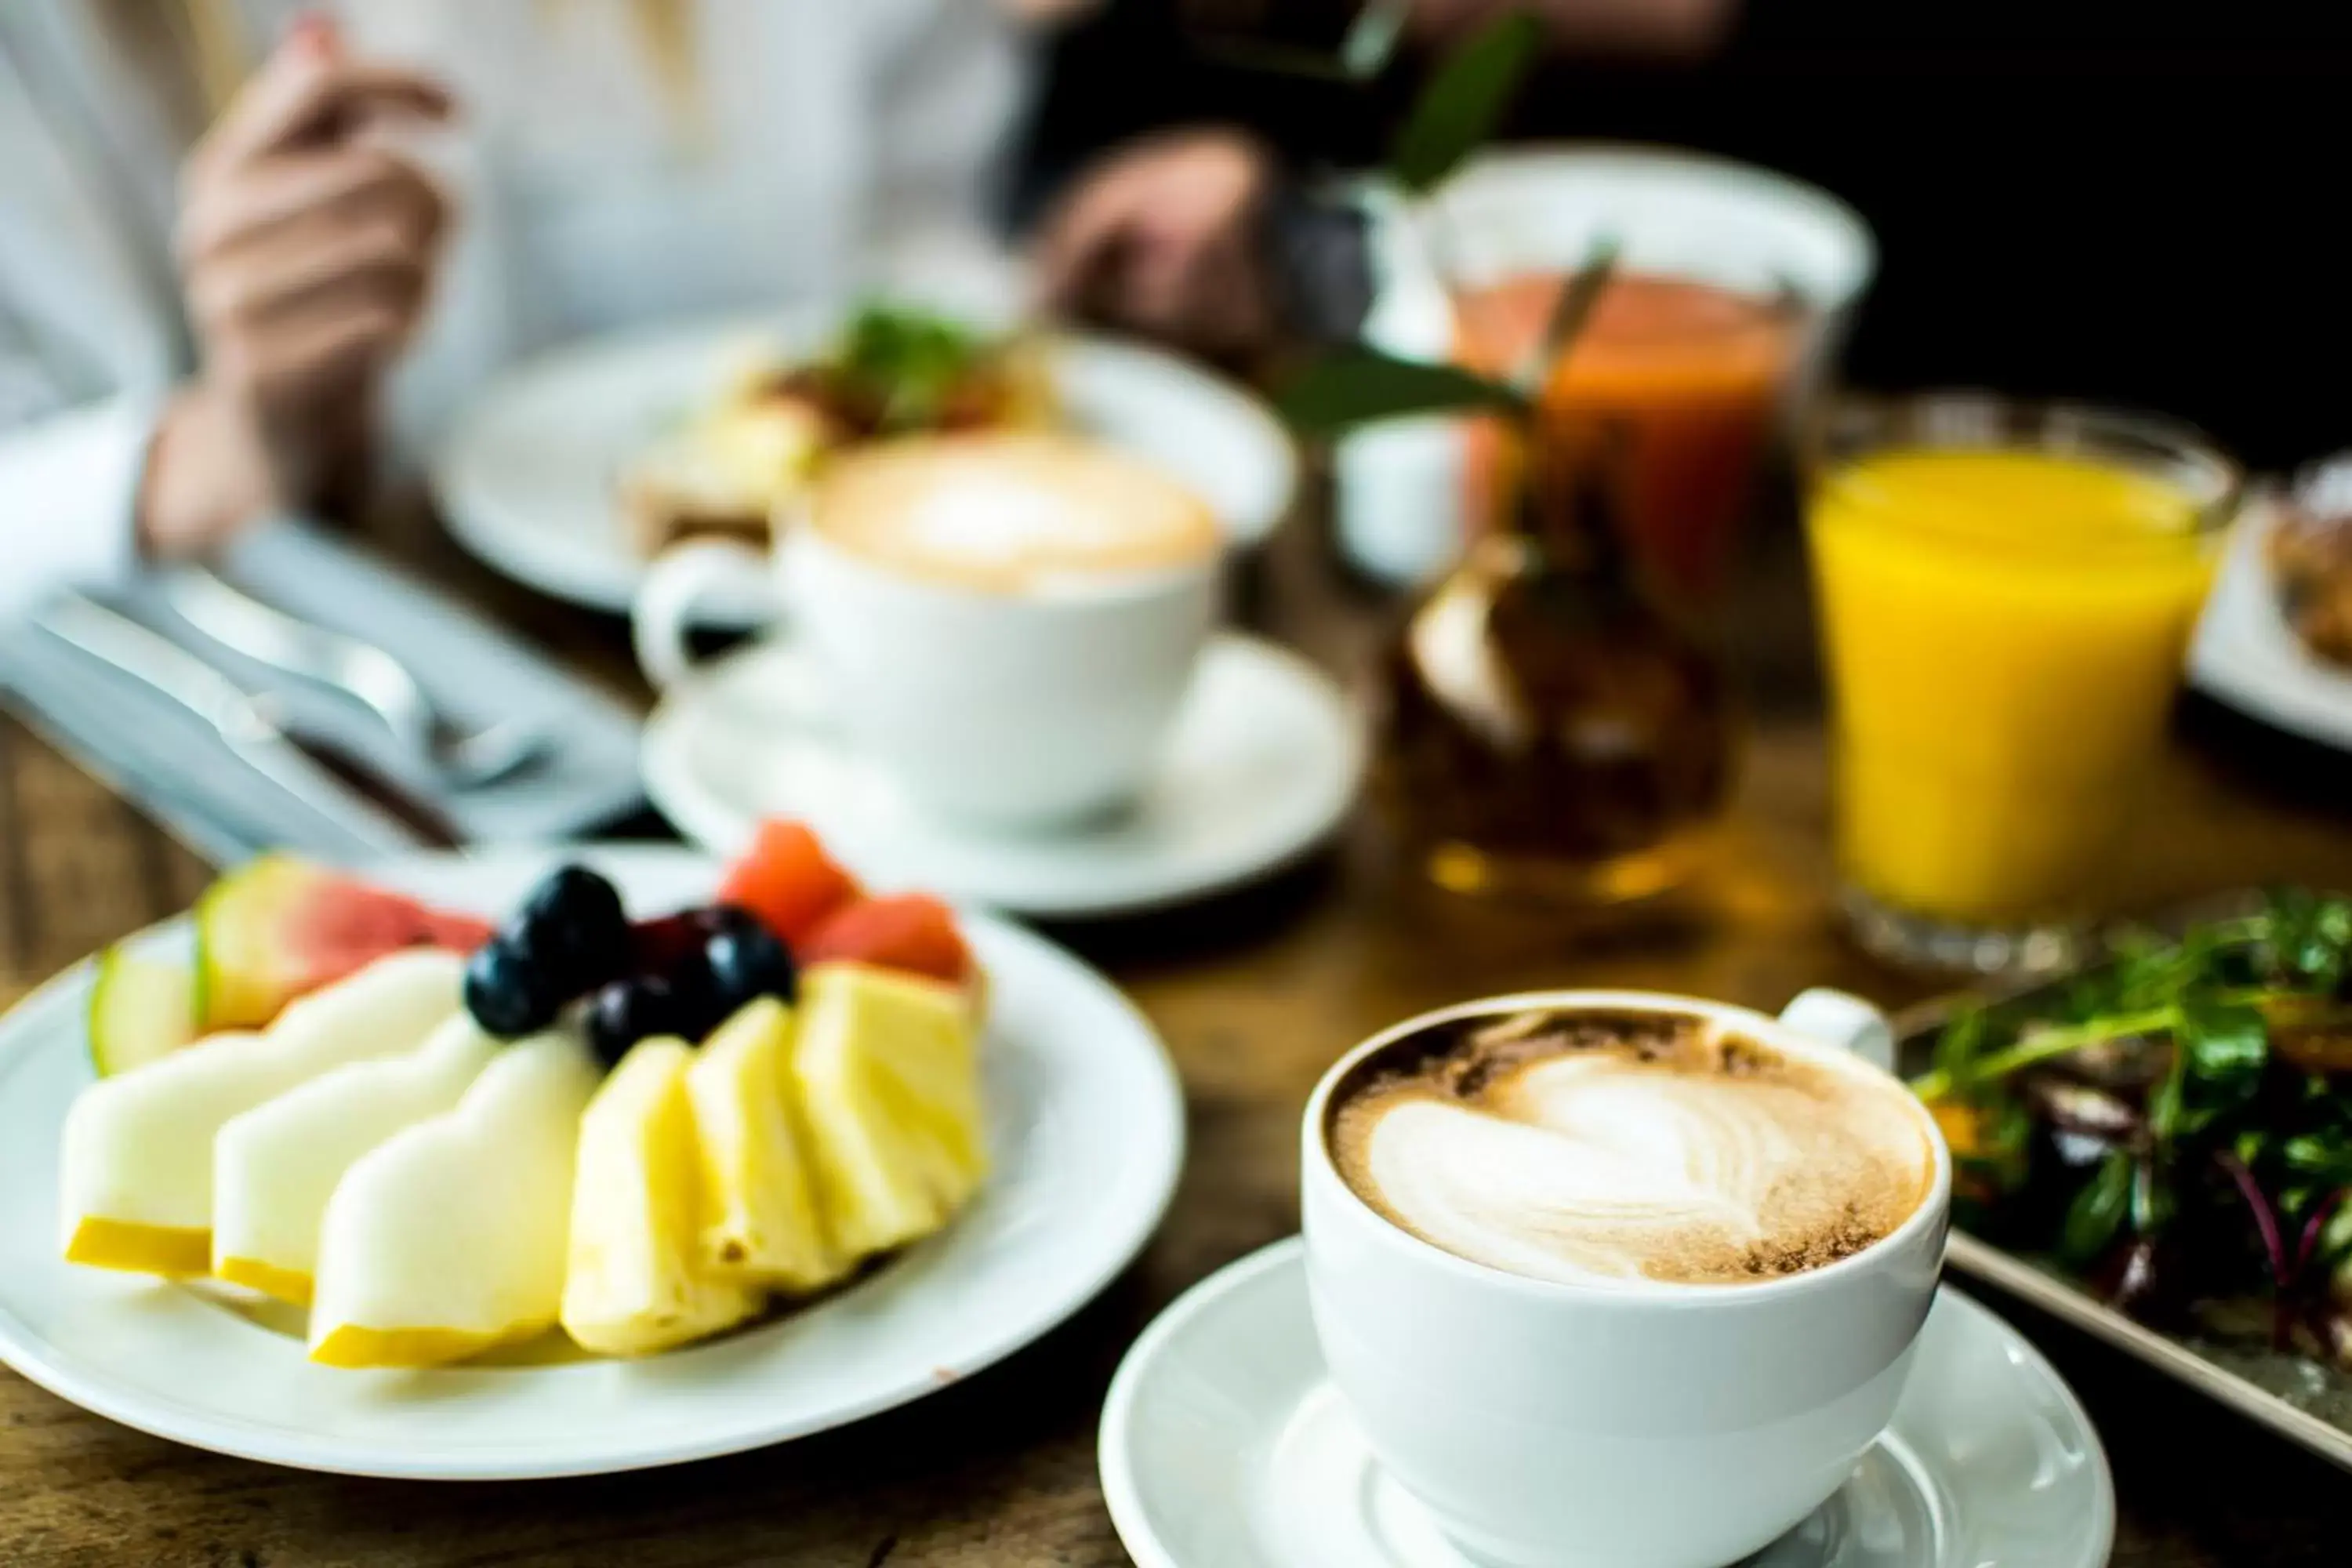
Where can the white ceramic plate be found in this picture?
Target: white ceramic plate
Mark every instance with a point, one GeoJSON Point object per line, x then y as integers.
{"type": "Point", "coordinates": [1264, 762]}
{"type": "Point", "coordinates": [1224, 1445]}
{"type": "Point", "coordinates": [1087, 1133]}
{"type": "Point", "coordinates": [528, 480]}
{"type": "Point", "coordinates": [2246, 655]}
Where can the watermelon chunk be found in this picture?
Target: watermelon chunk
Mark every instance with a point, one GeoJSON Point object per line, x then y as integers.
{"type": "Point", "coordinates": [789, 881]}
{"type": "Point", "coordinates": [911, 933]}
{"type": "Point", "coordinates": [279, 928]}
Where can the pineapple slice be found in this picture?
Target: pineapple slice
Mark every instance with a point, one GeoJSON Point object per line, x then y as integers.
{"type": "Point", "coordinates": [763, 1226]}
{"type": "Point", "coordinates": [634, 1283]}
{"type": "Point", "coordinates": [887, 1074]}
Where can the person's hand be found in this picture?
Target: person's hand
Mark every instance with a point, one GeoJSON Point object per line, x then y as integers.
{"type": "Point", "coordinates": [306, 250]}
{"type": "Point", "coordinates": [1166, 237]}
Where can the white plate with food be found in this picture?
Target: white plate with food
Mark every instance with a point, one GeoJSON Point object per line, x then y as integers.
{"type": "Point", "coordinates": [570, 471]}
{"type": "Point", "coordinates": [826, 1209]}
{"type": "Point", "coordinates": [2276, 640]}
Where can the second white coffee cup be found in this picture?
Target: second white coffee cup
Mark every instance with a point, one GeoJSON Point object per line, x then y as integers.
{"type": "Point", "coordinates": [1026, 710]}
{"type": "Point", "coordinates": [1553, 1425]}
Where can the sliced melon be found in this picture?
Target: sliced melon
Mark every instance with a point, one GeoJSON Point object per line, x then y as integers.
{"type": "Point", "coordinates": [276, 1166]}
{"type": "Point", "coordinates": [140, 1010]}
{"type": "Point", "coordinates": [135, 1165]}
{"type": "Point", "coordinates": [448, 1237]}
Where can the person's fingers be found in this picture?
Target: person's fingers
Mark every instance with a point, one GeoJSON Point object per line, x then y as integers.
{"type": "Point", "coordinates": [367, 263]}
{"type": "Point", "coordinates": [339, 183]}
{"type": "Point", "coordinates": [1084, 242]}
{"type": "Point", "coordinates": [339, 338]}
{"type": "Point", "coordinates": [1158, 287]}
{"type": "Point", "coordinates": [303, 94]}
{"type": "Point", "coordinates": [1236, 297]}
{"type": "Point", "coordinates": [323, 348]}
{"type": "Point", "coordinates": [1207, 292]}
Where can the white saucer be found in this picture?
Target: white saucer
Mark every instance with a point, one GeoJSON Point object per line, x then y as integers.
{"type": "Point", "coordinates": [528, 481]}
{"type": "Point", "coordinates": [1086, 1136]}
{"type": "Point", "coordinates": [1264, 762]}
{"type": "Point", "coordinates": [2247, 656]}
{"type": "Point", "coordinates": [1224, 1446]}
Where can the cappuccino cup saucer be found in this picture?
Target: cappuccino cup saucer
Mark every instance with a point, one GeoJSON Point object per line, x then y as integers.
{"type": "Point", "coordinates": [1224, 1444]}
{"type": "Point", "coordinates": [1262, 763]}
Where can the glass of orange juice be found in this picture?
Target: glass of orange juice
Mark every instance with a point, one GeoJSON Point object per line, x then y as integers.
{"type": "Point", "coordinates": [2006, 592]}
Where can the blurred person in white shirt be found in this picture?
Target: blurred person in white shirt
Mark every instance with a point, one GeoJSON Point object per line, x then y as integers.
{"type": "Point", "coordinates": [232, 279]}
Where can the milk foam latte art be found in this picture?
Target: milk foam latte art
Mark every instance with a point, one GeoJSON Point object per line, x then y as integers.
{"type": "Point", "coordinates": [1012, 512]}
{"type": "Point", "coordinates": [1606, 1148]}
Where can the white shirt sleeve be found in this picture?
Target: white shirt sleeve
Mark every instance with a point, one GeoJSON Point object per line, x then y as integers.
{"type": "Point", "coordinates": [85, 343]}
{"type": "Point", "coordinates": [69, 487]}
{"type": "Point", "coordinates": [948, 99]}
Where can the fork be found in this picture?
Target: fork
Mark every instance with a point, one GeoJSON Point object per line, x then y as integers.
{"type": "Point", "coordinates": [465, 758]}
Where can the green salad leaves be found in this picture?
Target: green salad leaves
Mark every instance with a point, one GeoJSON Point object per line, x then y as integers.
{"type": "Point", "coordinates": [2175, 1127]}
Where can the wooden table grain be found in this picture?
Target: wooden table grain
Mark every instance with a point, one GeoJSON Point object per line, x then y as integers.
{"type": "Point", "coordinates": [1254, 994]}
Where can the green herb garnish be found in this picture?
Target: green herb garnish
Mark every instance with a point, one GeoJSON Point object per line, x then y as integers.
{"type": "Point", "coordinates": [1465, 98]}
{"type": "Point", "coordinates": [908, 363]}
{"type": "Point", "coordinates": [2176, 1127]}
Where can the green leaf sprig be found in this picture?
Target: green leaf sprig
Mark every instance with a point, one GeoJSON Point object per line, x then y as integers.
{"type": "Point", "coordinates": [1466, 98]}
{"type": "Point", "coordinates": [2219, 1161]}
{"type": "Point", "coordinates": [1358, 384]}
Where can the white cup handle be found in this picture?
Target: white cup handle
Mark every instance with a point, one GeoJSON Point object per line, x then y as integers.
{"type": "Point", "coordinates": [682, 576]}
{"type": "Point", "coordinates": [1849, 1023]}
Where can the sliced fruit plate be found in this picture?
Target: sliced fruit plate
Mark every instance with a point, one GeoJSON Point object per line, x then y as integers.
{"type": "Point", "coordinates": [562, 1192]}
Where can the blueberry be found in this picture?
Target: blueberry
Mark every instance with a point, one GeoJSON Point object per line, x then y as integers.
{"type": "Point", "coordinates": [701, 1007]}
{"type": "Point", "coordinates": [626, 1011]}
{"type": "Point", "coordinates": [505, 991]}
{"type": "Point", "coordinates": [622, 1013]}
{"type": "Point", "coordinates": [745, 961]}
{"type": "Point", "coordinates": [573, 929]}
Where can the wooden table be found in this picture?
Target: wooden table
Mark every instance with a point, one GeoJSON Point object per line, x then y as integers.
{"type": "Point", "coordinates": [1254, 994]}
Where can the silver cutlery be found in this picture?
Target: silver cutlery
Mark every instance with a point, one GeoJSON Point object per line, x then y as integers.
{"type": "Point", "coordinates": [463, 757]}
{"type": "Point", "coordinates": [379, 819]}
{"type": "Point", "coordinates": [218, 832]}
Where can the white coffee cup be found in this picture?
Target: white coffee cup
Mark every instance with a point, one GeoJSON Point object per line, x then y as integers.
{"type": "Point", "coordinates": [1554, 1426]}
{"type": "Point", "coordinates": [1030, 710]}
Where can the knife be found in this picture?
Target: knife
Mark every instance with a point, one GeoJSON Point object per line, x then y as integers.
{"type": "Point", "coordinates": [382, 816]}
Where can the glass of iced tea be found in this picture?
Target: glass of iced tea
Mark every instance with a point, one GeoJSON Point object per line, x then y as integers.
{"type": "Point", "coordinates": [1689, 374]}
{"type": "Point", "coordinates": [2006, 593]}
{"type": "Point", "coordinates": [1730, 288]}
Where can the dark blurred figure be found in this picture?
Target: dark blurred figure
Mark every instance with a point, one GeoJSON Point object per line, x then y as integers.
{"type": "Point", "coordinates": [2093, 198]}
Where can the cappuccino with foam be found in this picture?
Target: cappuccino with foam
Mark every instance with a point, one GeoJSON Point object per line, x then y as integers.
{"type": "Point", "coordinates": [1611, 1146]}
{"type": "Point", "coordinates": [1012, 512]}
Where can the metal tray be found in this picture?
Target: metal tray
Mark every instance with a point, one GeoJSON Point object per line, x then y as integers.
{"type": "Point", "coordinates": [2302, 1400]}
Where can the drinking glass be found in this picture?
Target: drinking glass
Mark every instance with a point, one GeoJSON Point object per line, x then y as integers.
{"type": "Point", "coordinates": [1731, 289]}
{"type": "Point", "coordinates": [2006, 592]}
